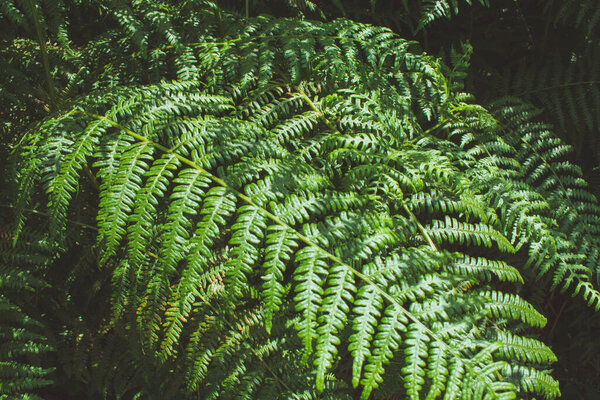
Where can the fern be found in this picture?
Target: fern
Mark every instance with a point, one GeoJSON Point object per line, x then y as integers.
{"type": "Point", "coordinates": [280, 207]}
{"type": "Point", "coordinates": [20, 341]}
{"type": "Point", "coordinates": [433, 10]}
{"type": "Point", "coordinates": [547, 171]}
{"type": "Point", "coordinates": [567, 89]}
{"type": "Point", "coordinates": [22, 338]}
{"type": "Point", "coordinates": [586, 14]}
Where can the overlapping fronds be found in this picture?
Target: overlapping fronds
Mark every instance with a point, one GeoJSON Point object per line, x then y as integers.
{"type": "Point", "coordinates": [22, 338]}
{"type": "Point", "coordinates": [541, 199]}
{"type": "Point", "coordinates": [585, 14]}
{"type": "Point", "coordinates": [300, 209]}
{"type": "Point", "coordinates": [568, 89]}
{"type": "Point", "coordinates": [19, 342]}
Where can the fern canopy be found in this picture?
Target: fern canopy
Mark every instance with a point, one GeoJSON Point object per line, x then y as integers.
{"type": "Point", "coordinates": [282, 208]}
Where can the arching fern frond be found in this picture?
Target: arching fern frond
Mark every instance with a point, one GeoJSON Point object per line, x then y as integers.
{"type": "Point", "coordinates": [285, 223]}
{"type": "Point", "coordinates": [535, 191]}
{"type": "Point", "coordinates": [545, 166]}
{"type": "Point", "coordinates": [568, 89]}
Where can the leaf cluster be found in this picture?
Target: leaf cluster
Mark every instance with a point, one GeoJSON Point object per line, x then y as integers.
{"type": "Point", "coordinates": [267, 207]}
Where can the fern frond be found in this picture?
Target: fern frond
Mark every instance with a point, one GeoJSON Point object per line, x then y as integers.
{"type": "Point", "coordinates": [190, 187]}
{"type": "Point", "coordinates": [120, 195]}
{"type": "Point", "coordinates": [452, 230]}
{"type": "Point", "coordinates": [432, 10]}
{"type": "Point", "coordinates": [140, 222]}
{"type": "Point", "coordinates": [386, 339]}
{"type": "Point", "coordinates": [586, 14]}
{"type": "Point", "coordinates": [280, 244]}
{"type": "Point", "coordinates": [524, 349]}
{"type": "Point", "coordinates": [248, 231]}
{"type": "Point", "coordinates": [416, 354]}
{"type": "Point", "coordinates": [288, 201]}
{"type": "Point", "coordinates": [20, 344]}
{"type": "Point", "coordinates": [311, 273]}
{"type": "Point", "coordinates": [483, 268]}
{"type": "Point", "coordinates": [338, 296]}
{"type": "Point", "coordinates": [515, 307]}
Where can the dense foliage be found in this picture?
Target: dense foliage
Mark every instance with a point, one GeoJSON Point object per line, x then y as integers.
{"type": "Point", "coordinates": [263, 200]}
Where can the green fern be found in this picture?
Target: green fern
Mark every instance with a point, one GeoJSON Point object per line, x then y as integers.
{"type": "Point", "coordinates": [433, 10]}
{"type": "Point", "coordinates": [284, 208]}
{"type": "Point", "coordinates": [568, 90]}
{"type": "Point", "coordinates": [20, 341]}
{"type": "Point", "coordinates": [23, 342]}
{"type": "Point", "coordinates": [585, 14]}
